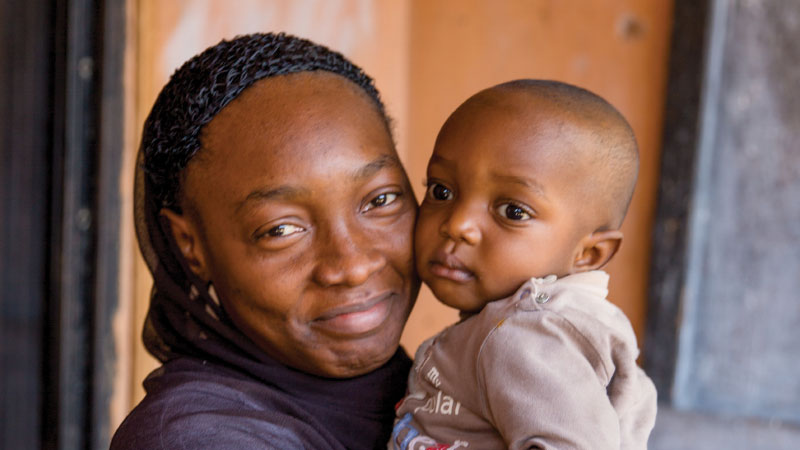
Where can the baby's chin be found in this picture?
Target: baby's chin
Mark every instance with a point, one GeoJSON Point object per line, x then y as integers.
{"type": "Point", "coordinates": [458, 297]}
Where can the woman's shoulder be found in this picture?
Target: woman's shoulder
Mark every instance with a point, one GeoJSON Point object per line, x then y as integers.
{"type": "Point", "coordinates": [197, 404]}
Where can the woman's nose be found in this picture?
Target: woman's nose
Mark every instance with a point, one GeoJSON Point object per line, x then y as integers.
{"type": "Point", "coordinates": [462, 225]}
{"type": "Point", "coordinates": [348, 257]}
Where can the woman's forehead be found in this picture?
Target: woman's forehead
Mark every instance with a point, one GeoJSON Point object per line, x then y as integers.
{"type": "Point", "coordinates": [304, 106]}
{"type": "Point", "coordinates": [291, 133]}
{"type": "Point", "coordinates": [293, 93]}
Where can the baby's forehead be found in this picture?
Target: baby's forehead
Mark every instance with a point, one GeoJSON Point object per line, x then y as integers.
{"type": "Point", "coordinates": [511, 139]}
{"type": "Point", "coordinates": [516, 132]}
{"type": "Point", "coordinates": [526, 122]}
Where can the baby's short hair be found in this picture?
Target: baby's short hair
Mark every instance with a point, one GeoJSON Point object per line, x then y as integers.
{"type": "Point", "coordinates": [617, 151]}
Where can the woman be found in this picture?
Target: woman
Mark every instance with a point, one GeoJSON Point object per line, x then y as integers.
{"type": "Point", "coordinates": [276, 219]}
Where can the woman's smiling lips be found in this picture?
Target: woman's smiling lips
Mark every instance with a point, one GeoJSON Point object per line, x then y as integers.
{"type": "Point", "coordinates": [357, 318]}
{"type": "Point", "coordinates": [447, 266]}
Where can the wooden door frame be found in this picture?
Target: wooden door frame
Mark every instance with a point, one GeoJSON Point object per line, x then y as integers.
{"type": "Point", "coordinates": [678, 156]}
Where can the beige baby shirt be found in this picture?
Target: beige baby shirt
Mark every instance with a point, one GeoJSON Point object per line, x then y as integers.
{"type": "Point", "coordinates": [551, 367]}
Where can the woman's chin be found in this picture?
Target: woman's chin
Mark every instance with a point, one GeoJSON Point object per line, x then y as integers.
{"type": "Point", "coordinates": [362, 357]}
{"type": "Point", "coordinates": [348, 366]}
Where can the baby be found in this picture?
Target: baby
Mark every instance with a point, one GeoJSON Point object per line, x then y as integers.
{"type": "Point", "coordinates": [527, 187]}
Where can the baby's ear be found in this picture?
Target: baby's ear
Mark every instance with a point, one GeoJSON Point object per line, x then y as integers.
{"type": "Point", "coordinates": [596, 249]}
{"type": "Point", "coordinates": [186, 237]}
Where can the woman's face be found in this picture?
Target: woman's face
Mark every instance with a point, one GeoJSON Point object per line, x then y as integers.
{"type": "Point", "coordinates": [298, 211]}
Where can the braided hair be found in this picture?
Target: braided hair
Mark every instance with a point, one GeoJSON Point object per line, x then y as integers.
{"type": "Point", "coordinates": [205, 84]}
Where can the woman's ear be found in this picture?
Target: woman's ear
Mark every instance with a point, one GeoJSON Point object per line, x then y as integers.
{"type": "Point", "coordinates": [596, 249]}
{"type": "Point", "coordinates": [186, 237]}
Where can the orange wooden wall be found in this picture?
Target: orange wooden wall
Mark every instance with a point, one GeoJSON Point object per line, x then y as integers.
{"type": "Point", "coordinates": [427, 56]}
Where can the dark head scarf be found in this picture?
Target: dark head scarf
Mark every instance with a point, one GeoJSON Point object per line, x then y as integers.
{"type": "Point", "coordinates": [185, 318]}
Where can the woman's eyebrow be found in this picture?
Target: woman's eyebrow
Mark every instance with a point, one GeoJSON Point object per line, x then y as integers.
{"type": "Point", "coordinates": [373, 167]}
{"type": "Point", "coordinates": [288, 192]}
{"type": "Point", "coordinates": [283, 192]}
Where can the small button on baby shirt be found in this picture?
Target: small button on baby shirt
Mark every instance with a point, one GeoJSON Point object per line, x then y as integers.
{"type": "Point", "coordinates": [535, 292]}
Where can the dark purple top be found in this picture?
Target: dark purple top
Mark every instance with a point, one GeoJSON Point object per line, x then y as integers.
{"type": "Point", "coordinates": [192, 404]}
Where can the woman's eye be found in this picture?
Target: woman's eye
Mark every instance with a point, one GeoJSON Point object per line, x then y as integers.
{"type": "Point", "coordinates": [284, 230]}
{"type": "Point", "coordinates": [513, 212]}
{"type": "Point", "coordinates": [382, 200]}
{"type": "Point", "coordinates": [439, 192]}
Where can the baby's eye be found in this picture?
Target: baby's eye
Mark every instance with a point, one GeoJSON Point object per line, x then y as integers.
{"type": "Point", "coordinates": [382, 200]}
{"type": "Point", "coordinates": [439, 192]}
{"type": "Point", "coordinates": [284, 230]}
{"type": "Point", "coordinates": [513, 212]}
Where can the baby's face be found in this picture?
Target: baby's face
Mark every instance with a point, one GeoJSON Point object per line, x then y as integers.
{"type": "Point", "coordinates": [503, 204]}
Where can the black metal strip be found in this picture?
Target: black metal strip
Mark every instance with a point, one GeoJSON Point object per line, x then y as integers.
{"type": "Point", "coordinates": [86, 153]}
{"type": "Point", "coordinates": [74, 244]}
{"type": "Point", "coordinates": [108, 201]}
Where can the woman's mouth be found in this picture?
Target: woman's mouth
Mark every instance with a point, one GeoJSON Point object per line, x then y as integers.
{"type": "Point", "coordinates": [358, 318]}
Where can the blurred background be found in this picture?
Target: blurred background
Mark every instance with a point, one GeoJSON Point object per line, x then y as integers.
{"type": "Point", "coordinates": [709, 271]}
